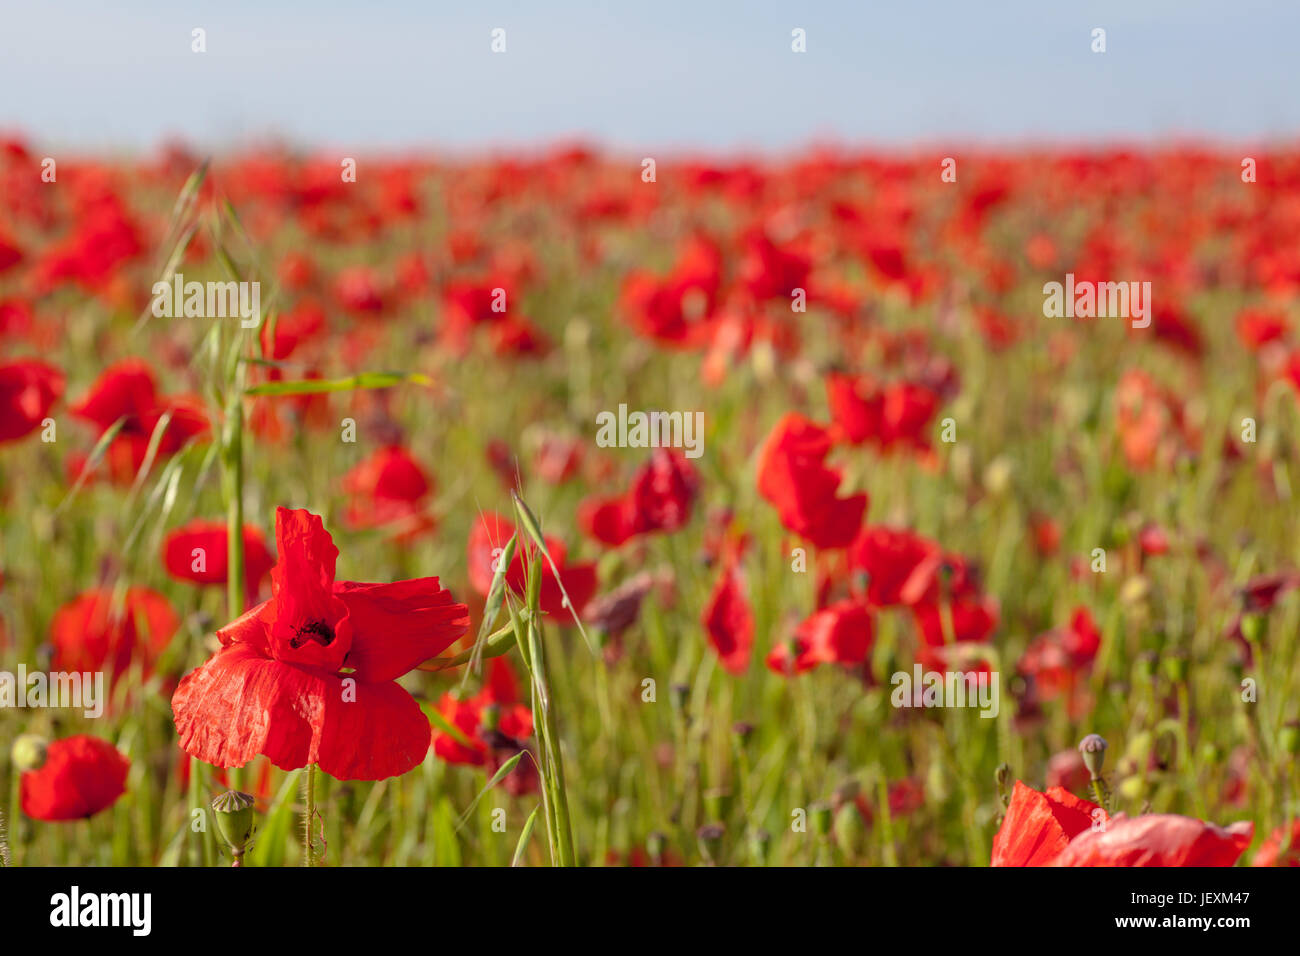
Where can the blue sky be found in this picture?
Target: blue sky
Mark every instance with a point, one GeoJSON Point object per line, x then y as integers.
{"type": "Point", "coordinates": [657, 73]}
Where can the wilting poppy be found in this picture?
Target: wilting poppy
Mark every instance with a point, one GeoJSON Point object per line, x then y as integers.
{"type": "Point", "coordinates": [81, 776]}
{"type": "Point", "coordinates": [310, 675]}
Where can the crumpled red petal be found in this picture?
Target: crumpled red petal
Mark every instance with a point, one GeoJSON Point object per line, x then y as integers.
{"type": "Point", "coordinates": [399, 625]}
{"type": "Point", "coordinates": [240, 704]}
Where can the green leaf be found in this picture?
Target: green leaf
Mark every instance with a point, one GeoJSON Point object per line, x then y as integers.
{"type": "Point", "coordinates": [502, 772]}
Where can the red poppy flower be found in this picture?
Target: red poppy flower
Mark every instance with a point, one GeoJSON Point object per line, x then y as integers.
{"type": "Point", "coordinates": [839, 634]}
{"type": "Point", "coordinates": [1158, 839]}
{"type": "Point", "coordinates": [1258, 327]}
{"type": "Point", "coordinates": [974, 618]}
{"type": "Point", "coordinates": [310, 675]}
{"type": "Point", "coordinates": [674, 311]}
{"type": "Point", "coordinates": [358, 291]}
{"type": "Point", "coordinates": [1038, 826]}
{"type": "Point", "coordinates": [27, 390]}
{"type": "Point", "coordinates": [197, 552]}
{"type": "Point", "coordinates": [495, 726]}
{"type": "Point", "coordinates": [389, 488]}
{"type": "Point", "coordinates": [768, 271]}
{"type": "Point", "coordinates": [10, 254]}
{"type": "Point", "coordinates": [890, 558]}
{"type": "Point", "coordinates": [792, 476]}
{"type": "Point", "coordinates": [729, 620]}
{"type": "Point", "coordinates": [92, 632]}
{"type": "Point", "coordinates": [1059, 659]}
{"type": "Point", "coordinates": [488, 538]}
{"type": "Point", "coordinates": [896, 415]}
{"type": "Point", "coordinates": [557, 459]}
{"type": "Point", "coordinates": [661, 498]}
{"type": "Point", "coordinates": [1282, 848]}
{"type": "Point", "coordinates": [127, 391]}
{"type": "Point", "coordinates": [81, 776]}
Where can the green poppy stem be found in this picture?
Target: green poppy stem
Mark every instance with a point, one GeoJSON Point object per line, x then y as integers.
{"type": "Point", "coordinates": [309, 815]}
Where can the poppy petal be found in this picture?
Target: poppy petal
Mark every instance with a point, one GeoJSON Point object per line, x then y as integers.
{"type": "Point", "coordinates": [397, 626]}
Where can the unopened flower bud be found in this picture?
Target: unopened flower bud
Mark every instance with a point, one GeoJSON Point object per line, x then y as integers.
{"type": "Point", "coordinates": [1093, 750]}
{"type": "Point", "coordinates": [28, 752]}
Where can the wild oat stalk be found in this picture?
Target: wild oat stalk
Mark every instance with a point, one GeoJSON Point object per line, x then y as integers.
{"type": "Point", "coordinates": [528, 635]}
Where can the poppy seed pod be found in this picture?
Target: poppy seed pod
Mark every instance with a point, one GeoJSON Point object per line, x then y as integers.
{"type": "Point", "coordinates": [29, 752]}
{"type": "Point", "coordinates": [1093, 749]}
{"type": "Point", "coordinates": [234, 812]}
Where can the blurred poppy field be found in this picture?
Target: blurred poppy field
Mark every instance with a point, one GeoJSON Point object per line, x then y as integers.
{"type": "Point", "coordinates": [454, 628]}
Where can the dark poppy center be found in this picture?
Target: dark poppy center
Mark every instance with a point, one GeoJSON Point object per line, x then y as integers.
{"type": "Point", "coordinates": [317, 631]}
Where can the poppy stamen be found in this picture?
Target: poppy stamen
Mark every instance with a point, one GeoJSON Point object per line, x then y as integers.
{"type": "Point", "coordinates": [317, 631]}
